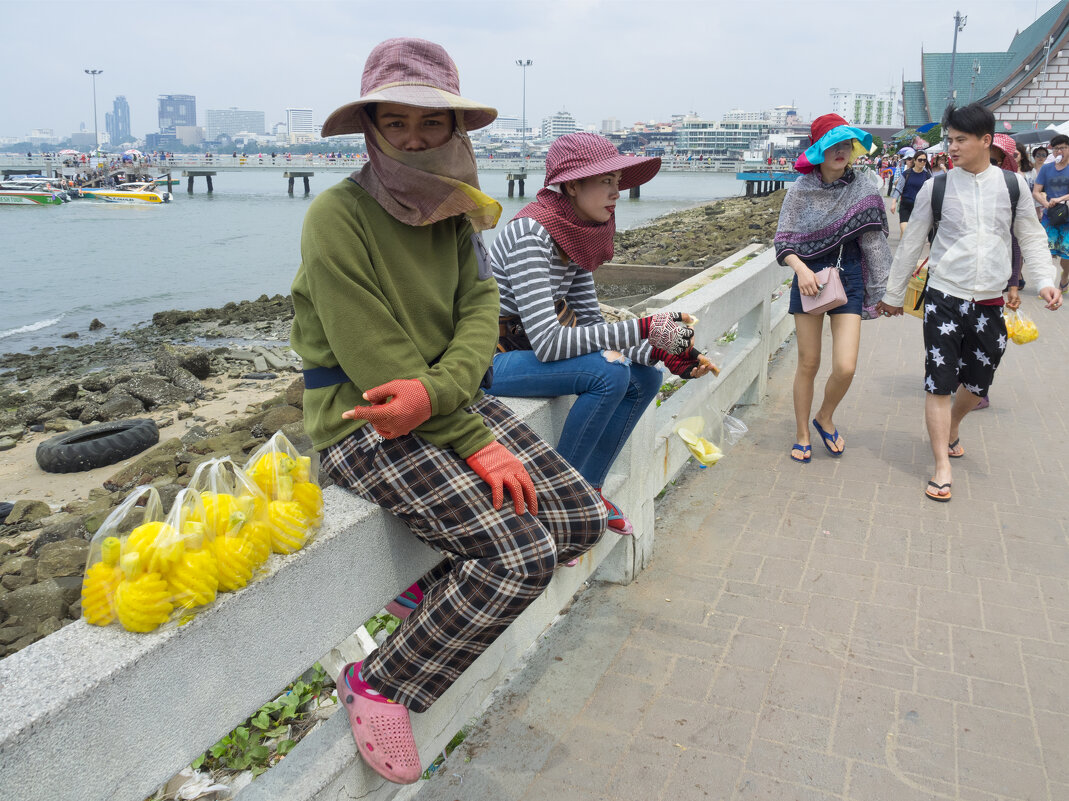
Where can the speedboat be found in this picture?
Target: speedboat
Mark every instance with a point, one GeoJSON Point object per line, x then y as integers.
{"type": "Point", "coordinates": [134, 192]}
{"type": "Point", "coordinates": [31, 192]}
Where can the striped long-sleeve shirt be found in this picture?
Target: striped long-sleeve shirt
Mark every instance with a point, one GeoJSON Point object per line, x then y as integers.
{"type": "Point", "coordinates": [532, 277]}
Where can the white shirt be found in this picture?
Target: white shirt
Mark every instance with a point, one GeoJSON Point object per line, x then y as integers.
{"type": "Point", "coordinates": [971, 255]}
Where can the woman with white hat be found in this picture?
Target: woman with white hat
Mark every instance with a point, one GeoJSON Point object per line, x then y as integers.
{"type": "Point", "coordinates": [395, 317]}
{"type": "Point", "coordinates": [554, 340]}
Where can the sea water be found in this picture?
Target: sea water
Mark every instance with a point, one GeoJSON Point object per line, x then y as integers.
{"type": "Point", "coordinates": [63, 266]}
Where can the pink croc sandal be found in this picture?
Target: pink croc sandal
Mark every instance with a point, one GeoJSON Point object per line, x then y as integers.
{"type": "Point", "coordinates": [381, 728]}
{"type": "Point", "coordinates": [405, 604]}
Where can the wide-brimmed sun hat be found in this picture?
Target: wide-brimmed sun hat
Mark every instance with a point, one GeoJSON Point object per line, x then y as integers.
{"type": "Point", "coordinates": [412, 72]}
{"type": "Point", "coordinates": [582, 155]}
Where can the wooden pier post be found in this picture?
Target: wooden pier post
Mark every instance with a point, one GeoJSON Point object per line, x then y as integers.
{"type": "Point", "coordinates": [305, 174]}
{"type": "Point", "coordinates": [208, 178]}
{"type": "Point", "coordinates": [307, 187]}
{"type": "Point", "coordinates": [292, 179]}
{"type": "Point", "coordinates": [512, 187]}
{"type": "Point", "coordinates": [634, 192]}
{"type": "Point", "coordinates": [189, 184]}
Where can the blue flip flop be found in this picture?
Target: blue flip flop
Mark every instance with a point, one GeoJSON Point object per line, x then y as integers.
{"type": "Point", "coordinates": [829, 439]}
{"type": "Point", "coordinates": [807, 452]}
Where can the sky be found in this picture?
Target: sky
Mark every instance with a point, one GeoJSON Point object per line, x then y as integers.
{"type": "Point", "coordinates": [629, 59]}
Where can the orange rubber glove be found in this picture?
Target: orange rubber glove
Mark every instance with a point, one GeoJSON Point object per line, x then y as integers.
{"type": "Point", "coordinates": [397, 407]}
{"type": "Point", "coordinates": [500, 469]}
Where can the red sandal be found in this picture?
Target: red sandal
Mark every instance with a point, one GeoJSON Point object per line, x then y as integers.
{"type": "Point", "coordinates": [382, 728]}
{"type": "Point", "coordinates": [405, 604]}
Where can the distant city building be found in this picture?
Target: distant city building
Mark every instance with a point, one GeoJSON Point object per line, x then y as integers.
{"type": "Point", "coordinates": [86, 140]}
{"type": "Point", "coordinates": [559, 124]}
{"type": "Point", "coordinates": [160, 141]}
{"type": "Point", "coordinates": [229, 121]}
{"type": "Point", "coordinates": [175, 110]}
{"type": "Point", "coordinates": [189, 134]}
{"type": "Point", "coordinates": [117, 121]}
{"type": "Point", "coordinates": [880, 109]}
{"type": "Point", "coordinates": [506, 124]}
{"type": "Point", "coordinates": [300, 125]}
{"type": "Point", "coordinates": [784, 116]}
{"type": "Point", "coordinates": [720, 137]}
{"type": "Point", "coordinates": [42, 136]}
{"type": "Point", "coordinates": [738, 115]}
{"type": "Point", "coordinates": [611, 125]}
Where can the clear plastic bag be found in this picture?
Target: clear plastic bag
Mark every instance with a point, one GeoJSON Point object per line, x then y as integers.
{"type": "Point", "coordinates": [1020, 328]}
{"type": "Point", "coordinates": [140, 517]}
{"type": "Point", "coordinates": [734, 429]}
{"type": "Point", "coordinates": [691, 431]}
{"type": "Point", "coordinates": [295, 501]}
{"type": "Point", "coordinates": [234, 514]}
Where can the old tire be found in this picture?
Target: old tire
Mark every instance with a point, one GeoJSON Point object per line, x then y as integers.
{"type": "Point", "coordinates": [97, 445]}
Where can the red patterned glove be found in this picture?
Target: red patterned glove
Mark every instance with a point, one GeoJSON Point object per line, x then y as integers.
{"type": "Point", "coordinates": [682, 364]}
{"type": "Point", "coordinates": [500, 469]}
{"type": "Point", "coordinates": [408, 407]}
{"type": "Point", "coordinates": [666, 332]}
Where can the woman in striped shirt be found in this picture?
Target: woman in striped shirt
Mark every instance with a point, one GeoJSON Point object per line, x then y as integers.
{"type": "Point", "coordinates": [554, 340]}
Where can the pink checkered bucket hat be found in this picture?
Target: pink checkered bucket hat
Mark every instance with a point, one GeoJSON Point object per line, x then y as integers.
{"type": "Point", "coordinates": [582, 155]}
{"type": "Point", "coordinates": [412, 72]}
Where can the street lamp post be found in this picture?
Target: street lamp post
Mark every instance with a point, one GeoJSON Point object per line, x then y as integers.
{"type": "Point", "coordinates": [96, 132]}
{"type": "Point", "coordinates": [523, 64]}
{"type": "Point", "coordinates": [959, 25]}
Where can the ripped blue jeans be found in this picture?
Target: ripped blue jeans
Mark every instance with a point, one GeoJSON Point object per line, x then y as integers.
{"type": "Point", "coordinates": [611, 398]}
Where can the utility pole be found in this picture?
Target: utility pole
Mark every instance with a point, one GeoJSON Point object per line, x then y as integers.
{"type": "Point", "coordinates": [975, 74]}
{"type": "Point", "coordinates": [959, 25]}
{"type": "Point", "coordinates": [523, 64]}
{"type": "Point", "coordinates": [1046, 55]}
{"type": "Point", "coordinates": [96, 133]}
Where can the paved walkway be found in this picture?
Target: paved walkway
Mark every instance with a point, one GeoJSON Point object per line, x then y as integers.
{"type": "Point", "coordinates": [818, 632]}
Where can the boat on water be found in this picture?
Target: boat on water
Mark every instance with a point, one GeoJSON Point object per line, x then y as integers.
{"type": "Point", "coordinates": [133, 192]}
{"type": "Point", "coordinates": [32, 191]}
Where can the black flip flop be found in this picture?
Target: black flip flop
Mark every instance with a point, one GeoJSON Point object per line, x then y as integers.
{"type": "Point", "coordinates": [935, 496]}
{"type": "Point", "coordinates": [954, 445]}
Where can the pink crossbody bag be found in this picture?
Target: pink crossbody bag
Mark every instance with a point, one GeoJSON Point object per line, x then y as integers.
{"type": "Point", "coordinates": [831, 294]}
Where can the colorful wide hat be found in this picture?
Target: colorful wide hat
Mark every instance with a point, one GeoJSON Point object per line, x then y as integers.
{"type": "Point", "coordinates": [825, 131]}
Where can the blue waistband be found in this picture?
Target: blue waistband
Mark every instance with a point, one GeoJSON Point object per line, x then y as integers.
{"type": "Point", "coordinates": [319, 377]}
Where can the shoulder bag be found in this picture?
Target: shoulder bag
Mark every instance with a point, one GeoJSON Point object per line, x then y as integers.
{"type": "Point", "coordinates": [830, 293]}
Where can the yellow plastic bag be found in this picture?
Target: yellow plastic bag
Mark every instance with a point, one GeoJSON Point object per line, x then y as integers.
{"type": "Point", "coordinates": [1019, 328]}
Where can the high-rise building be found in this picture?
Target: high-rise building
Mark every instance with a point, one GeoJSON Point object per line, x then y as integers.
{"type": "Point", "coordinates": [611, 125]}
{"type": "Point", "coordinates": [175, 110]}
{"type": "Point", "coordinates": [559, 124]}
{"type": "Point", "coordinates": [299, 125]}
{"type": "Point", "coordinates": [117, 121]}
{"type": "Point", "coordinates": [229, 121]}
{"type": "Point", "coordinates": [879, 109]}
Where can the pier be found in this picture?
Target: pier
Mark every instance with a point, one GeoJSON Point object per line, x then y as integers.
{"type": "Point", "coordinates": [765, 182]}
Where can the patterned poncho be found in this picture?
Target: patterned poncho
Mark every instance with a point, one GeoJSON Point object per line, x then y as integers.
{"type": "Point", "coordinates": [817, 218]}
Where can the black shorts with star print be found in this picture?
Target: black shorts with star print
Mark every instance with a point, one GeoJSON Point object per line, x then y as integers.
{"type": "Point", "coordinates": [963, 343]}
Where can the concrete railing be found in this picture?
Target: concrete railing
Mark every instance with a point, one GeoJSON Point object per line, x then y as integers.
{"type": "Point", "coordinates": [90, 713]}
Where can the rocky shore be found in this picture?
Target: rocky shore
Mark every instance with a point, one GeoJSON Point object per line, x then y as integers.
{"type": "Point", "coordinates": [217, 382]}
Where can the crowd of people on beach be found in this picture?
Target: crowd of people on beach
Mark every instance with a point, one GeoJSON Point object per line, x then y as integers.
{"type": "Point", "coordinates": [404, 406]}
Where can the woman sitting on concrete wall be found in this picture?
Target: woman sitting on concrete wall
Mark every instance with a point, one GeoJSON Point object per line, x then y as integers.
{"type": "Point", "coordinates": [553, 338]}
{"type": "Point", "coordinates": [395, 314]}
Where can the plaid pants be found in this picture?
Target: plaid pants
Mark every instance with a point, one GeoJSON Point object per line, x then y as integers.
{"type": "Point", "coordinates": [501, 561]}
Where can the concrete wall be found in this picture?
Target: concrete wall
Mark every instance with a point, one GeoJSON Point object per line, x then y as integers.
{"type": "Point", "coordinates": [91, 713]}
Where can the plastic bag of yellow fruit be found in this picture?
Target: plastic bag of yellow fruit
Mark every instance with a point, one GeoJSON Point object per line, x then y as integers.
{"type": "Point", "coordinates": [140, 516]}
{"type": "Point", "coordinates": [1020, 328]}
{"type": "Point", "coordinates": [234, 513]}
{"type": "Point", "coordinates": [147, 569]}
{"type": "Point", "coordinates": [289, 480]}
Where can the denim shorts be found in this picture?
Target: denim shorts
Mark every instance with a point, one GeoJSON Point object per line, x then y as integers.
{"type": "Point", "coordinates": [850, 274]}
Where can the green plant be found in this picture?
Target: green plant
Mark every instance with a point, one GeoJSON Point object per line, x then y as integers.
{"type": "Point", "coordinates": [270, 734]}
{"type": "Point", "coordinates": [383, 621]}
{"type": "Point", "coordinates": [458, 738]}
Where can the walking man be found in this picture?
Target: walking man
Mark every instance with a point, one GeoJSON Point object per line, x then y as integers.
{"type": "Point", "coordinates": [968, 269]}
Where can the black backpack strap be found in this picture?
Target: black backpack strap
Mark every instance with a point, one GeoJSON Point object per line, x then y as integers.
{"type": "Point", "coordinates": [939, 190]}
{"type": "Point", "coordinates": [1015, 194]}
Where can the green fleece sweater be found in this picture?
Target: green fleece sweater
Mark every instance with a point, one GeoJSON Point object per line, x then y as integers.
{"type": "Point", "coordinates": [385, 300]}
